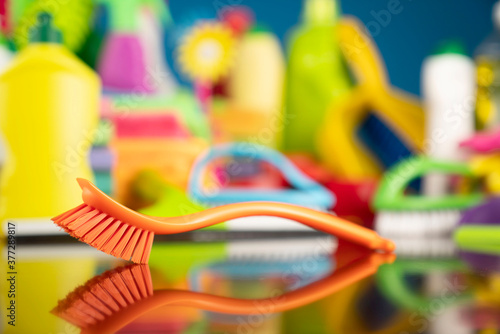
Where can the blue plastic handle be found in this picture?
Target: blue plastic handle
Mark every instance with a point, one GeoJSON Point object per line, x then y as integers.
{"type": "Point", "coordinates": [306, 191]}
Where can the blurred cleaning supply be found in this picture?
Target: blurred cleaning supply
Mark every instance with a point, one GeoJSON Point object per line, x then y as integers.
{"type": "Point", "coordinates": [485, 162]}
{"type": "Point", "coordinates": [392, 279]}
{"type": "Point", "coordinates": [122, 63]}
{"type": "Point", "coordinates": [412, 217]}
{"type": "Point", "coordinates": [380, 139]}
{"type": "Point", "coordinates": [14, 11]}
{"type": "Point", "coordinates": [91, 49]}
{"type": "Point", "coordinates": [167, 200]}
{"type": "Point", "coordinates": [483, 142]}
{"type": "Point", "coordinates": [487, 57]}
{"type": "Point", "coordinates": [255, 83]}
{"type": "Point", "coordinates": [44, 154]}
{"type": "Point", "coordinates": [71, 17]}
{"type": "Point", "coordinates": [479, 238]}
{"type": "Point", "coordinates": [206, 52]}
{"type": "Point", "coordinates": [4, 16]}
{"type": "Point", "coordinates": [182, 105]}
{"type": "Point", "coordinates": [6, 57]}
{"type": "Point", "coordinates": [238, 18]}
{"type": "Point", "coordinates": [152, 139]}
{"type": "Point", "coordinates": [479, 228]}
{"type": "Point", "coordinates": [488, 167]}
{"type": "Point", "coordinates": [133, 288]}
{"type": "Point", "coordinates": [346, 158]}
{"type": "Point", "coordinates": [6, 54]}
{"type": "Point", "coordinates": [102, 162]}
{"type": "Point", "coordinates": [336, 140]}
{"type": "Point", "coordinates": [449, 93]}
{"type": "Point", "coordinates": [304, 191]}
{"type": "Point", "coordinates": [149, 125]}
{"type": "Point", "coordinates": [153, 16]}
{"type": "Point", "coordinates": [355, 202]}
{"type": "Point", "coordinates": [316, 75]}
{"type": "Point", "coordinates": [114, 229]}
{"type": "Point", "coordinates": [205, 55]}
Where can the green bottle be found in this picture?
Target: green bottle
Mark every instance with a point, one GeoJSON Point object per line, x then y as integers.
{"type": "Point", "coordinates": [317, 75]}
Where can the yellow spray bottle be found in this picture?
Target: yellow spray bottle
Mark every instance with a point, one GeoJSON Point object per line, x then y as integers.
{"type": "Point", "coordinates": [316, 76]}
{"type": "Point", "coordinates": [48, 114]}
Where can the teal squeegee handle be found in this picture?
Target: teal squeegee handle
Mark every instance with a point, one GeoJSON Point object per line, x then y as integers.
{"type": "Point", "coordinates": [391, 192]}
{"type": "Point", "coordinates": [307, 192]}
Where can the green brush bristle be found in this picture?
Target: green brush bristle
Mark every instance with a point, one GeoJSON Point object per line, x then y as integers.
{"type": "Point", "coordinates": [71, 17]}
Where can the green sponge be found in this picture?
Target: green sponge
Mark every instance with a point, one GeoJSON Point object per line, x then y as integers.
{"type": "Point", "coordinates": [71, 17]}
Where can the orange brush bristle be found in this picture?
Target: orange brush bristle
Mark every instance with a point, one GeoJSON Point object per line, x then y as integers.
{"type": "Point", "coordinates": [106, 233]}
{"type": "Point", "coordinates": [105, 295]}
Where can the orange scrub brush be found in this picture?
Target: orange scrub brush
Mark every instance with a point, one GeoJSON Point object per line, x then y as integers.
{"type": "Point", "coordinates": [117, 230]}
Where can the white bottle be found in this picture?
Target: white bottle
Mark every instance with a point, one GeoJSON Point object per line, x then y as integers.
{"type": "Point", "coordinates": [449, 93]}
{"type": "Point", "coordinates": [151, 37]}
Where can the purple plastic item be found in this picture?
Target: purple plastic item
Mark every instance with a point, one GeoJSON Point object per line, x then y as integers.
{"type": "Point", "coordinates": [101, 159]}
{"type": "Point", "coordinates": [122, 65]}
{"type": "Point", "coordinates": [482, 263]}
{"type": "Point", "coordinates": [487, 213]}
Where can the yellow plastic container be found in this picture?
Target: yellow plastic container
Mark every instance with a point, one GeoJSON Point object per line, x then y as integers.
{"type": "Point", "coordinates": [48, 115]}
{"type": "Point", "coordinates": [256, 84]}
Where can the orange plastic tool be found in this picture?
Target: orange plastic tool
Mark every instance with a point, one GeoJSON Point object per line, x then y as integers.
{"type": "Point", "coordinates": [107, 303]}
{"type": "Point", "coordinates": [117, 230]}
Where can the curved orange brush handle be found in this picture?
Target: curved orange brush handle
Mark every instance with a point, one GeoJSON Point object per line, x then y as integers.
{"type": "Point", "coordinates": [95, 198]}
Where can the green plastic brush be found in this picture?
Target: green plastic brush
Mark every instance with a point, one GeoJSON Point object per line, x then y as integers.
{"type": "Point", "coordinates": [420, 225]}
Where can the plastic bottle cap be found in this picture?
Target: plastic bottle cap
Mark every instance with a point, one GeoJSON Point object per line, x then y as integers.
{"type": "Point", "coordinates": [259, 29]}
{"type": "Point", "coordinates": [496, 14]}
{"type": "Point", "coordinates": [44, 31]}
{"type": "Point", "coordinates": [320, 11]}
{"type": "Point", "coordinates": [451, 47]}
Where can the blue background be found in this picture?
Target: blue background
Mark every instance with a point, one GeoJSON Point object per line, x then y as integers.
{"type": "Point", "coordinates": [404, 42]}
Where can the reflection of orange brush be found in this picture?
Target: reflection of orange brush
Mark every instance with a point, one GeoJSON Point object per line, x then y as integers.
{"type": "Point", "coordinates": [112, 300]}
{"type": "Point", "coordinates": [114, 229]}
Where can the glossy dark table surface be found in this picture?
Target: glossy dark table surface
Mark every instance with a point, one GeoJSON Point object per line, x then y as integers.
{"type": "Point", "coordinates": [290, 284]}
